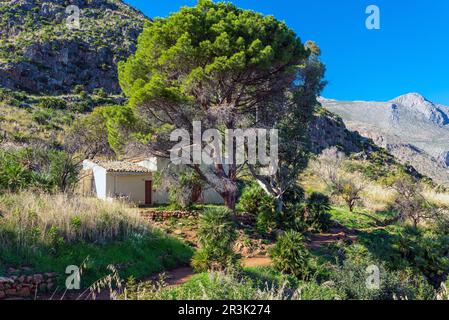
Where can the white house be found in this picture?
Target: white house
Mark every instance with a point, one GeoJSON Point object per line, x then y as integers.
{"type": "Point", "coordinates": [131, 180]}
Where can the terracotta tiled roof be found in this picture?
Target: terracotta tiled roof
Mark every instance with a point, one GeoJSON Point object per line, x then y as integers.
{"type": "Point", "coordinates": [121, 166]}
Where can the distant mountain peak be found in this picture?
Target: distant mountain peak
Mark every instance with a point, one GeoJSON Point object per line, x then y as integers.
{"type": "Point", "coordinates": [417, 103]}
{"type": "Point", "coordinates": [411, 99]}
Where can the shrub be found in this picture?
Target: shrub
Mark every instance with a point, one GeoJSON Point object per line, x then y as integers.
{"type": "Point", "coordinates": [14, 173]}
{"type": "Point", "coordinates": [184, 188]}
{"type": "Point", "coordinates": [329, 168]}
{"type": "Point", "coordinates": [317, 214]}
{"type": "Point", "coordinates": [42, 116]}
{"type": "Point", "coordinates": [81, 107]}
{"type": "Point", "coordinates": [78, 89]}
{"type": "Point", "coordinates": [44, 170]}
{"type": "Point", "coordinates": [289, 255]}
{"type": "Point", "coordinates": [255, 202]}
{"type": "Point", "coordinates": [351, 279]}
{"type": "Point", "coordinates": [426, 251]}
{"type": "Point", "coordinates": [52, 103]}
{"type": "Point", "coordinates": [100, 92]}
{"type": "Point", "coordinates": [216, 237]}
{"type": "Point", "coordinates": [312, 215]}
{"type": "Point", "coordinates": [410, 202]}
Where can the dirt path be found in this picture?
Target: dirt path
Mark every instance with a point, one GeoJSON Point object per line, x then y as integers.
{"type": "Point", "coordinates": [256, 262]}
{"type": "Point", "coordinates": [179, 276]}
{"type": "Point", "coordinates": [334, 235]}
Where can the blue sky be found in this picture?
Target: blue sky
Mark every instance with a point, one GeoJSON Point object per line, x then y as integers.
{"type": "Point", "coordinates": [410, 52]}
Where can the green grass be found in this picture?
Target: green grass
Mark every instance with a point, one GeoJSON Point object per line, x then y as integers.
{"type": "Point", "coordinates": [360, 218]}
{"type": "Point", "coordinates": [351, 220]}
{"type": "Point", "coordinates": [136, 257]}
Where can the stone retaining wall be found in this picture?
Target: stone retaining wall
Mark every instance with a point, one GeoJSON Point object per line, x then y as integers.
{"type": "Point", "coordinates": [164, 215]}
{"type": "Point", "coordinates": [26, 285]}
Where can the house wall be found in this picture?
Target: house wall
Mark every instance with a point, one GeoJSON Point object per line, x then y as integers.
{"type": "Point", "coordinates": [100, 182]}
{"type": "Point", "coordinates": [129, 185]}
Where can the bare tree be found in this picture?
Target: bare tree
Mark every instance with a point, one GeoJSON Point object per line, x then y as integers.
{"type": "Point", "coordinates": [410, 203]}
{"type": "Point", "coordinates": [348, 187]}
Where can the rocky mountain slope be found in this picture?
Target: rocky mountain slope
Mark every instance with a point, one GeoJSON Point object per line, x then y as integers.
{"type": "Point", "coordinates": [412, 128]}
{"type": "Point", "coordinates": [42, 49]}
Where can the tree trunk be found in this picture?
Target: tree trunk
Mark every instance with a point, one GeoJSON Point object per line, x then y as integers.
{"type": "Point", "coordinates": [351, 206]}
{"type": "Point", "coordinates": [230, 199]}
{"type": "Point", "coordinates": [280, 205]}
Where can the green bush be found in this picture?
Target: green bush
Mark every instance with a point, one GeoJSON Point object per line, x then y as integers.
{"type": "Point", "coordinates": [81, 107]}
{"type": "Point", "coordinates": [426, 251]}
{"type": "Point", "coordinates": [313, 214]}
{"type": "Point", "coordinates": [317, 210]}
{"type": "Point", "coordinates": [42, 117]}
{"type": "Point", "coordinates": [183, 187]}
{"type": "Point", "coordinates": [14, 173]}
{"type": "Point", "coordinates": [44, 170]}
{"type": "Point", "coordinates": [78, 89]}
{"type": "Point", "coordinates": [255, 202]}
{"type": "Point", "coordinates": [52, 103]}
{"type": "Point", "coordinates": [216, 237]}
{"type": "Point", "coordinates": [351, 279]}
{"type": "Point", "coordinates": [289, 255]}
{"type": "Point", "coordinates": [100, 92]}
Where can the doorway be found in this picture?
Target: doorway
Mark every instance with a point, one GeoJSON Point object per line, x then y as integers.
{"type": "Point", "coordinates": [148, 193]}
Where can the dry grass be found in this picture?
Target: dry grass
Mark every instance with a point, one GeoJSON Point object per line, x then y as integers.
{"type": "Point", "coordinates": [436, 198]}
{"type": "Point", "coordinates": [377, 197]}
{"type": "Point", "coordinates": [35, 218]}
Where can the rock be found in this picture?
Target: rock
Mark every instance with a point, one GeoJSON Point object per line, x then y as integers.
{"type": "Point", "coordinates": [5, 280]}
{"type": "Point", "coordinates": [24, 292]}
{"type": "Point", "coordinates": [10, 292]}
{"type": "Point", "coordinates": [38, 278]}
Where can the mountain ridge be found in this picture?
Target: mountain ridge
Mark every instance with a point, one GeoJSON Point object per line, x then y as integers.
{"type": "Point", "coordinates": [414, 129]}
